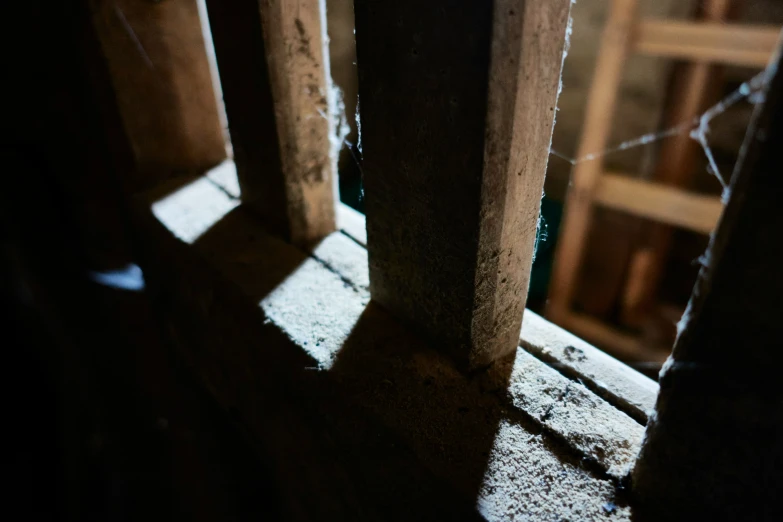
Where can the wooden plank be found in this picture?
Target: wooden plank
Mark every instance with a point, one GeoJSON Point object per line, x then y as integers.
{"type": "Point", "coordinates": [659, 202]}
{"type": "Point", "coordinates": [614, 341]}
{"type": "Point", "coordinates": [274, 68]}
{"type": "Point", "coordinates": [298, 60]}
{"type": "Point", "coordinates": [161, 75]}
{"type": "Point", "coordinates": [695, 87]}
{"type": "Point", "coordinates": [715, 42]}
{"type": "Point", "coordinates": [598, 120]}
{"type": "Point", "coordinates": [457, 110]}
{"type": "Point", "coordinates": [712, 450]}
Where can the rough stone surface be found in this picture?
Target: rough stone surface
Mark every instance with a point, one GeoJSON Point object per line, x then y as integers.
{"type": "Point", "coordinates": [316, 309]}
{"type": "Point", "coordinates": [619, 384]}
{"type": "Point", "coordinates": [594, 428]}
{"type": "Point", "coordinates": [192, 209]}
{"type": "Point", "coordinates": [533, 489]}
{"type": "Point", "coordinates": [587, 423]}
{"type": "Point", "coordinates": [505, 458]}
{"type": "Point", "coordinates": [352, 223]}
{"type": "Point", "coordinates": [343, 256]}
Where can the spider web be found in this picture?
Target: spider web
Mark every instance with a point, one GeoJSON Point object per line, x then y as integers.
{"type": "Point", "coordinates": [697, 128]}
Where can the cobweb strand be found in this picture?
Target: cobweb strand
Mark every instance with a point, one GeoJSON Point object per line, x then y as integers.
{"type": "Point", "coordinates": [697, 128]}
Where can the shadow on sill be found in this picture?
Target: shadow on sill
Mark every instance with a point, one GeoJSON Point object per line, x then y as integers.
{"type": "Point", "coordinates": [365, 419]}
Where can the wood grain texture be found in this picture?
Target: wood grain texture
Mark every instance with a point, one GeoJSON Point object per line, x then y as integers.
{"type": "Point", "coordinates": [274, 69]}
{"type": "Point", "coordinates": [159, 68]}
{"type": "Point", "coordinates": [615, 45]}
{"type": "Point", "coordinates": [715, 42]}
{"type": "Point", "coordinates": [712, 449]}
{"type": "Point", "coordinates": [659, 202]}
{"type": "Point", "coordinates": [457, 108]}
{"type": "Point", "coordinates": [696, 86]}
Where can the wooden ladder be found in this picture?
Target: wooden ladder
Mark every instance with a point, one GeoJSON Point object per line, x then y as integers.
{"type": "Point", "coordinates": [703, 43]}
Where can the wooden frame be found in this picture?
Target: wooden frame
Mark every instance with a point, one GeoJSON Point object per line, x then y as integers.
{"type": "Point", "coordinates": [615, 46]}
{"type": "Point", "coordinates": [715, 42]}
{"type": "Point", "coordinates": [625, 33]}
{"type": "Point", "coordinates": [454, 166]}
{"type": "Point", "coordinates": [274, 68]}
{"type": "Point", "coordinates": [659, 202]}
{"type": "Point", "coordinates": [160, 50]}
{"type": "Point", "coordinates": [696, 87]}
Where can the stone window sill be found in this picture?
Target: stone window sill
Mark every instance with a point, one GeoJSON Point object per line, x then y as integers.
{"type": "Point", "coordinates": [353, 407]}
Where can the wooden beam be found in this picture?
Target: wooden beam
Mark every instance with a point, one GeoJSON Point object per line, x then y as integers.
{"type": "Point", "coordinates": [712, 450]}
{"type": "Point", "coordinates": [161, 75]}
{"type": "Point", "coordinates": [730, 44]}
{"type": "Point", "coordinates": [615, 45]}
{"type": "Point", "coordinates": [616, 382]}
{"type": "Point", "coordinates": [696, 86]}
{"type": "Point", "coordinates": [274, 68]}
{"type": "Point", "coordinates": [457, 109]}
{"type": "Point", "coordinates": [659, 202]}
